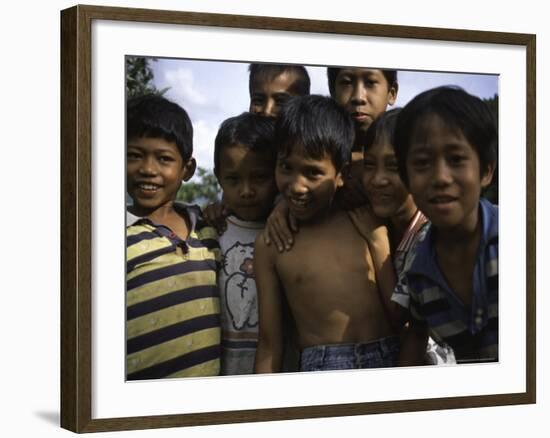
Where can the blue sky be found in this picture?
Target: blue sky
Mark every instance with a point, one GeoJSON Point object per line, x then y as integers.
{"type": "Point", "coordinates": [213, 91]}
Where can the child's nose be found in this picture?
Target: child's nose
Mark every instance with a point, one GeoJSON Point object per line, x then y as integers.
{"type": "Point", "coordinates": [148, 167]}
{"type": "Point", "coordinates": [247, 191]}
{"type": "Point", "coordinates": [297, 186]}
{"type": "Point", "coordinates": [380, 178]}
{"type": "Point", "coordinates": [359, 95]}
{"type": "Point", "coordinates": [270, 108]}
{"type": "Point", "coordinates": [441, 174]}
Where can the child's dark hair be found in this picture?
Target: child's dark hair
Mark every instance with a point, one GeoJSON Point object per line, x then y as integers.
{"type": "Point", "coordinates": [268, 72]}
{"type": "Point", "coordinates": [157, 117]}
{"type": "Point", "coordinates": [382, 129]}
{"type": "Point", "coordinates": [318, 125]}
{"type": "Point", "coordinates": [249, 130]}
{"type": "Point", "coordinates": [332, 73]}
{"type": "Point", "coordinates": [458, 109]}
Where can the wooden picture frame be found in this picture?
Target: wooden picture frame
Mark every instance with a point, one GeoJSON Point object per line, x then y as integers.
{"type": "Point", "coordinates": [76, 217]}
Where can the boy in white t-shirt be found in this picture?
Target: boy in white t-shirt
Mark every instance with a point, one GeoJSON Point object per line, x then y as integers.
{"type": "Point", "coordinates": [244, 163]}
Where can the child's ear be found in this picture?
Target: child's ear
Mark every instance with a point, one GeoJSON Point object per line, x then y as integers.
{"type": "Point", "coordinates": [487, 176]}
{"type": "Point", "coordinates": [392, 93]}
{"type": "Point", "coordinates": [189, 169]}
{"type": "Point", "coordinates": [342, 175]}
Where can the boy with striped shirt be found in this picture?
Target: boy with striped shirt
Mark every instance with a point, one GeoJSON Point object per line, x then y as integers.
{"type": "Point", "coordinates": [172, 299]}
{"type": "Point", "coordinates": [446, 144]}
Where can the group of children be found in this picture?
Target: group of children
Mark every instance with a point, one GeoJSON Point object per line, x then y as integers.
{"type": "Point", "coordinates": [351, 237]}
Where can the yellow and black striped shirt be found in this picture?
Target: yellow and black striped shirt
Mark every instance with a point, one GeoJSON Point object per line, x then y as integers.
{"type": "Point", "coordinates": [172, 300]}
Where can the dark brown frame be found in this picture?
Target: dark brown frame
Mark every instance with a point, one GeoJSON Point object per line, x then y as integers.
{"type": "Point", "coordinates": [76, 176]}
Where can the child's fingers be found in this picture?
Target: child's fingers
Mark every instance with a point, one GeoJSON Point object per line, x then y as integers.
{"type": "Point", "coordinates": [273, 234]}
{"type": "Point", "coordinates": [284, 234]}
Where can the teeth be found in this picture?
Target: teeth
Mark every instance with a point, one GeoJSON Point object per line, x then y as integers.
{"type": "Point", "coordinates": [298, 202]}
{"type": "Point", "coordinates": [148, 186]}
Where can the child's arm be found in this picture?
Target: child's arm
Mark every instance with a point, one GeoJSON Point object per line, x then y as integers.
{"type": "Point", "coordinates": [280, 227]}
{"type": "Point", "coordinates": [269, 353]}
{"type": "Point", "coordinates": [376, 235]}
{"type": "Point", "coordinates": [414, 341]}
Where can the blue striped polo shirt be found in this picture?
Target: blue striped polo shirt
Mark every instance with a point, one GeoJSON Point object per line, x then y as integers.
{"type": "Point", "coordinates": [471, 331]}
{"type": "Point", "coordinates": [172, 299]}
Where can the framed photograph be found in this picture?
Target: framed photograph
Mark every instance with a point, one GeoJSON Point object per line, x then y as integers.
{"type": "Point", "coordinates": [187, 51]}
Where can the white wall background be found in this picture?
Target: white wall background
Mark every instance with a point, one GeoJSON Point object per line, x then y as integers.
{"type": "Point", "coordinates": [29, 219]}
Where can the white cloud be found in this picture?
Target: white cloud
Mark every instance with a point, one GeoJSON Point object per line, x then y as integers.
{"type": "Point", "coordinates": [182, 87]}
{"type": "Point", "coordinates": [204, 134]}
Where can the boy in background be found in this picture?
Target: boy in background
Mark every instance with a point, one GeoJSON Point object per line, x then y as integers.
{"type": "Point", "coordinates": [172, 301]}
{"type": "Point", "coordinates": [364, 93]}
{"type": "Point", "coordinates": [329, 276]}
{"type": "Point", "coordinates": [244, 163]}
{"type": "Point", "coordinates": [446, 144]}
{"type": "Point", "coordinates": [271, 85]}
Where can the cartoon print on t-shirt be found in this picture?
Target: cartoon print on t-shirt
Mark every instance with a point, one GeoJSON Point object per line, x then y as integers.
{"type": "Point", "coordinates": [240, 286]}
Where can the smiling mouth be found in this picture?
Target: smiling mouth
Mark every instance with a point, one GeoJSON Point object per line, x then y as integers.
{"type": "Point", "coordinates": [298, 203]}
{"type": "Point", "coordinates": [442, 200]}
{"type": "Point", "coordinates": [147, 187]}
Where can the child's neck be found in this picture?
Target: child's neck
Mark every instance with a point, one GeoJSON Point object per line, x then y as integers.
{"type": "Point", "coordinates": [168, 216]}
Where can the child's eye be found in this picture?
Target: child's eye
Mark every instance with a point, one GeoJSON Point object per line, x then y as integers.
{"type": "Point", "coordinates": [257, 100]}
{"type": "Point", "coordinates": [344, 81]}
{"type": "Point", "coordinates": [166, 159]}
{"type": "Point", "coordinates": [420, 163]}
{"type": "Point", "coordinates": [457, 159]}
{"type": "Point", "coordinates": [281, 100]}
{"type": "Point", "coordinates": [369, 165]}
{"type": "Point", "coordinates": [315, 173]}
{"type": "Point", "coordinates": [133, 156]}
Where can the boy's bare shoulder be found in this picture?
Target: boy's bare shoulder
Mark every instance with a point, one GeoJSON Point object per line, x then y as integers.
{"type": "Point", "coordinates": [263, 250]}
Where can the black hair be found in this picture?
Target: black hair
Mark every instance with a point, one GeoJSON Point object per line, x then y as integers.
{"type": "Point", "coordinates": [157, 117]}
{"type": "Point", "coordinates": [268, 72]}
{"type": "Point", "coordinates": [249, 130]}
{"type": "Point", "coordinates": [457, 108]}
{"type": "Point", "coordinates": [318, 125]}
{"type": "Point", "coordinates": [382, 129]}
{"type": "Point", "coordinates": [332, 73]}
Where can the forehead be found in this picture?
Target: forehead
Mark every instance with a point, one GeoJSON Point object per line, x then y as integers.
{"type": "Point", "coordinates": [299, 156]}
{"type": "Point", "coordinates": [361, 72]}
{"type": "Point", "coordinates": [284, 82]}
{"type": "Point", "coordinates": [431, 131]}
{"type": "Point", "coordinates": [237, 157]}
{"type": "Point", "coordinates": [153, 144]}
{"type": "Point", "coordinates": [380, 148]}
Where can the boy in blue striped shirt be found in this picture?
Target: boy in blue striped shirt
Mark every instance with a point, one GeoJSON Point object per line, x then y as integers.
{"type": "Point", "coordinates": [446, 143]}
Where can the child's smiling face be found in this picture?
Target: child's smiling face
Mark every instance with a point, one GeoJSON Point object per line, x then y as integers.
{"type": "Point", "coordinates": [387, 194]}
{"type": "Point", "coordinates": [154, 172]}
{"type": "Point", "coordinates": [308, 184]}
{"type": "Point", "coordinates": [248, 181]}
{"type": "Point", "coordinates": [364, 93]}
{"type": "Point", "coordinates": [444, 174]}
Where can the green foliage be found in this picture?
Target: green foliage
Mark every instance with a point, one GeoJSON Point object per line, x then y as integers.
{"type": "Point", "coordinates": [204, 192]}
{"type": "Point", "coordinates": [139, 77]}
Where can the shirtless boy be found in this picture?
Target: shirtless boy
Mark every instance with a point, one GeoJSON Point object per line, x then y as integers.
{"type": "Point", "coordinates": [329, 277]}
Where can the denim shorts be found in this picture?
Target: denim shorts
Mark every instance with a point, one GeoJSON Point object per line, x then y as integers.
{"type": "Point", "coordinates": [378, 354]}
